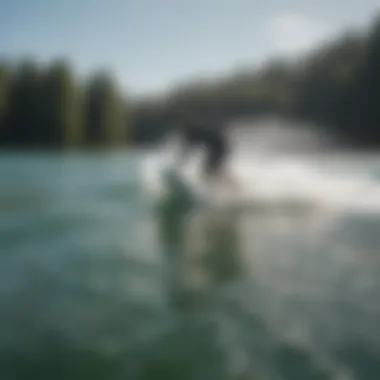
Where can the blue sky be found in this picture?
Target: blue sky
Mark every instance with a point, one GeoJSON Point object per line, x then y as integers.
{"type": "Point", "coordinates": [151, 44]}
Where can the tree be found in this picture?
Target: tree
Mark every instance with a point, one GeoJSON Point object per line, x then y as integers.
{"type": "Point", "coordinates": [105, 118]}
{"type": "Point", "coordinates": [23, 106]}
{"type": "Point", "coordinates": [62, 113]}
{"type": "Point", "coordinates": [4, 94]}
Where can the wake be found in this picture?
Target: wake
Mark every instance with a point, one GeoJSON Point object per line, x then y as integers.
{"type": "Point", "coordinates": [269, 178]}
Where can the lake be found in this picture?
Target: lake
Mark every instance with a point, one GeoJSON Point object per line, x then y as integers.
{"type": "Point", "coordinates": [97, 282]}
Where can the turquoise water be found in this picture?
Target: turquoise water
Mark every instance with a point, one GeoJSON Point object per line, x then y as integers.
{"type": "Point", "coordinates": [98, 284]}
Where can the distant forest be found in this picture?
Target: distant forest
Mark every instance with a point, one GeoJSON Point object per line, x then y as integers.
{"type": "Point", "coordinates": [336, 85]}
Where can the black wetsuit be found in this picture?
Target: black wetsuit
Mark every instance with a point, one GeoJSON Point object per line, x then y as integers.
{"type": "Point", "coordinates": [214, 143]}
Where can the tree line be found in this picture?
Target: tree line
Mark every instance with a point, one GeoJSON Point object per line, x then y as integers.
{"type": "Point", "coordinates": [49, 107]}
{"type": "Point", "coordinates": [336, 85]}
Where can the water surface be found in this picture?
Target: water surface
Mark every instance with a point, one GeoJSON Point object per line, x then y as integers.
{"type": "Point", "coordinates": [96, 284]}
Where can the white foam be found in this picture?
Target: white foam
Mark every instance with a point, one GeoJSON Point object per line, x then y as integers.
{"type": "Point", "coordinates": [275, 181]}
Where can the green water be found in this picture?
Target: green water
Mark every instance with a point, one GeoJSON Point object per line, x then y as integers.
{"type": "Point", "coordinates": [95, 285]}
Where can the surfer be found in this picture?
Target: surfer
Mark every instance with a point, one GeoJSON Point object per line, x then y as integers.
{"type": "Point", "coordinates": [215, 144]}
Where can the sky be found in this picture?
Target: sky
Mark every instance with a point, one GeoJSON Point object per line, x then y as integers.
{"type": "Point", "coordinates": [151, 45]}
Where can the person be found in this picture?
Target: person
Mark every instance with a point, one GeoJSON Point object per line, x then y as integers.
{"type": "Point", "coordinates": [215, 144]}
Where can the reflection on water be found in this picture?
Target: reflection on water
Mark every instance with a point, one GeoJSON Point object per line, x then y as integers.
{"type": "Point", "coordinates": [290, 295]}
{"type": "Point", "coordinates": [93, 286]}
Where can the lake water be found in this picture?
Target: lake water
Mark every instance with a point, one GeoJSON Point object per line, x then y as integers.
{"type": "Point", "coordinates": [96, 283]}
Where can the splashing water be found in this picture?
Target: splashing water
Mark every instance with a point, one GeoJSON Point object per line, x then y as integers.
{"type": "Point", "coordinates": [327, 182]}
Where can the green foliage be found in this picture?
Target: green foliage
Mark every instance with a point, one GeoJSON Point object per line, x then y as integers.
{"type": "Point", "coordinates": [104, 112]}
{"type": "Point", "coordinates": [24, 107]}
{"type": "Point", "coordinates": [336, 85]}
{"type": "Point", "coordinates": [61, 106]}
{"type": "Point", "coordinates": [49, 108]}
{"type": "Point", "coordinates": [4, 83]}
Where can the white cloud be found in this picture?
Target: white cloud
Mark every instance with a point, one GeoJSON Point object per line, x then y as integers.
{"type": "Point", "coordinates": [292, 32]}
